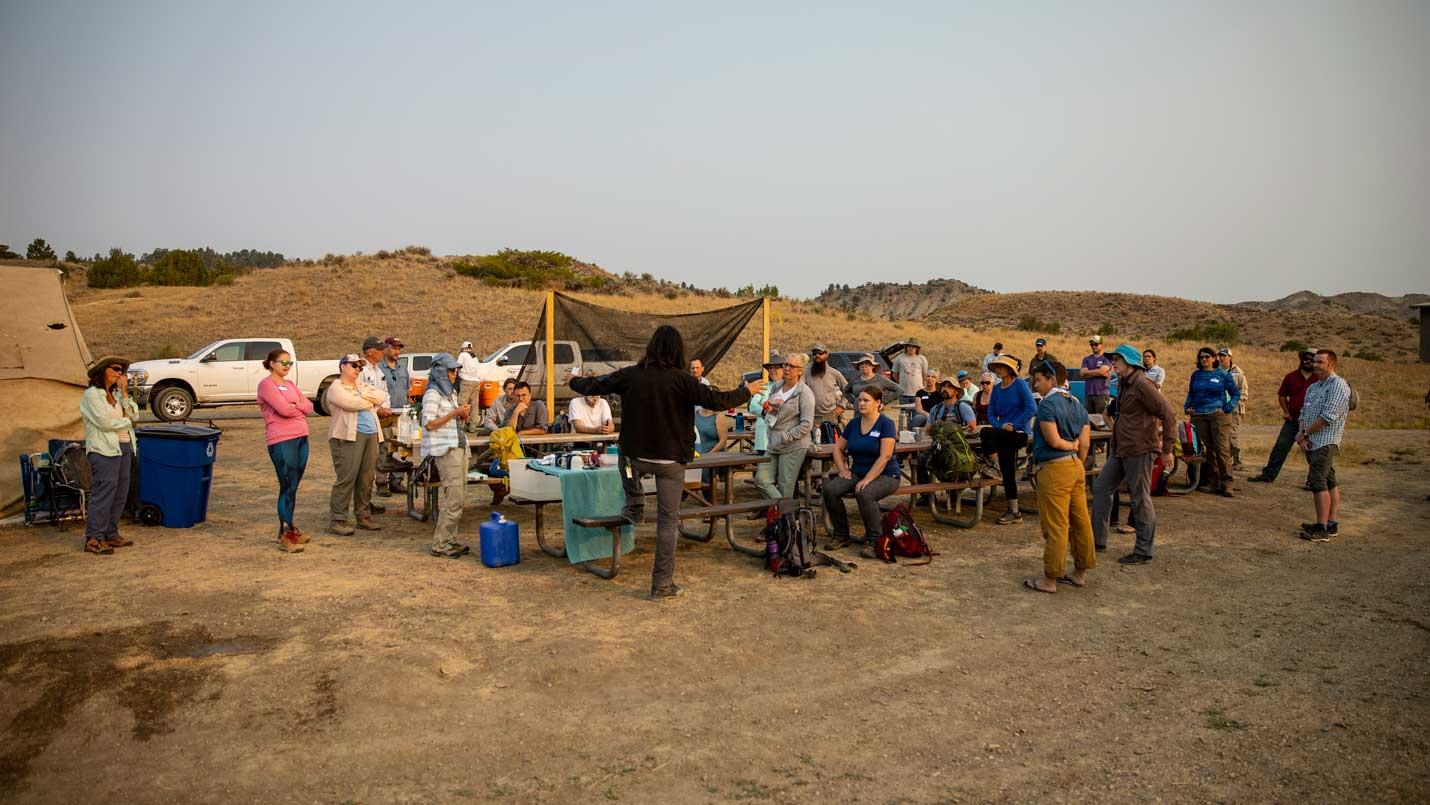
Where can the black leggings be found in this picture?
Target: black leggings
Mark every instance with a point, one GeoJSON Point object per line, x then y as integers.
{"type": "Point", "coordinates": [1006, 443]}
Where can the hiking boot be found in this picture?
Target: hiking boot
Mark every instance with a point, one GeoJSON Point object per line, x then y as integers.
{"type": "Point", "coordinates": [1316, 533]}
{"type": "Point", "coordinates": [1134, 559]}
{"type": "Point", "coordinates": [1261, 478]}
{"type": "Point", "coordinates": [382, 491]}
{"type": "Point", "coordinates": [298, 535]}
{"type": "Point", "coordinates": [376, 509]}
{"type": "Point", "coordinates": [451, 552]}
{"type": "Point", "coordinates": [98, 548]}
{"type": "Point", "coordinates": [1226, 492]}
{"type": "Point", "coordinates": [657, 593]}
{"type": "Point", "coordinates": [397, 487]}
{"type": "Point", "coordinates": [1009, 518]}
{"type": "Point", "coordinates": [341, 528]}
{"type": "Point", "coordinates": [366, 523]}
{"type": "Point", "coordinates": [1333, 528]}
{"type": "Point", "coordinates": [289, 544]}
{"type": "Point", "coordinates": [867, 552]}
{"type": "Point", "coordinates": [119, 542]}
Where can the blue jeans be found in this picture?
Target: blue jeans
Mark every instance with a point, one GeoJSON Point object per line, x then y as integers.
{"type": "Point", "coordinates": [290, 459]}
{"type": "Point", "coordinates": [1285, 440]}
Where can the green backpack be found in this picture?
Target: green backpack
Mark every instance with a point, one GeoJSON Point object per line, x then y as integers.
{"type": "Point", "coordinates": [950, 459]}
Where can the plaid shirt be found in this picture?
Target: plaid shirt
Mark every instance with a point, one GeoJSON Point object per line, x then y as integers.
{"type": "Point", "coordinates": [1327, 400]}
{"type": "Point", "coordinates": [439, 441]}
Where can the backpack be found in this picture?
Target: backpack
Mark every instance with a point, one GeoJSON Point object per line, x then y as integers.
{"type": "Point", "coordinates": [71, 467]}
{"type": "Point", "coordinates": [1160, 473]}
{"type": "Point", "coordinates": [950, 458]}
{"type": "Point", "coordinates": [1187, 435]}
{"type": "Point", "coordinates": [1354, 400]}
{"type": "Point", "coordinates": [828, 433]}
{"type": "Point", "coordinates": [789, 541]}
{"type": "Point", "coordinates": [901, 538]}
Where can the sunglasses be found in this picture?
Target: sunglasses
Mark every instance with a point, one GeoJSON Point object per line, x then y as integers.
{"type": "Point", "coordinates": [792, 366]}
{"type": "Point", "coordinates": [283, 363]}
{"type": "Point", "coordinates": [985, 382]}
{"type": "Point", "coordinates": [119, 369]}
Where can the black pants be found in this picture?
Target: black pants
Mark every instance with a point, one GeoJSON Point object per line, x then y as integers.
{"type": "Point", "coordinates": [1006, 443]}
{"type": "Point", "coordinates": [1285, 440]}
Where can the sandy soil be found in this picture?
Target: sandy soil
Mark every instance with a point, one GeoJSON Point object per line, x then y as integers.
{"type": "Point", "coordinates": [1244, 664]}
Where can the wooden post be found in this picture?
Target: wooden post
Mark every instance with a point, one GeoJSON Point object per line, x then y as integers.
{"type": "Point", "coordinates": [765, 355]}
{"type": "Point", "coordinates": [551, 355]}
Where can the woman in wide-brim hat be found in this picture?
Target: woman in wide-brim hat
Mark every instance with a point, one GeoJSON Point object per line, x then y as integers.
{"type": "Point", "coordinates": [108, 413]}
{"type": "Point", "coordinates": [1010, 414]}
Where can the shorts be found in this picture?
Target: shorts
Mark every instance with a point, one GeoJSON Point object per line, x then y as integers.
{"type": "Point", "coordinates": [1097, 403]}
{"type": "Point", "coordinates": [1322, 476]}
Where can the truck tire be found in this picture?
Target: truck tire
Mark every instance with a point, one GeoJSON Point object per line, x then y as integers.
{"type": "Point", "coordinates": [172, 404]}
{"type": "Point", "coordinates": [318, 407]}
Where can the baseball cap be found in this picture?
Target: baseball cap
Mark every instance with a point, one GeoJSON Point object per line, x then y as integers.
{"type": "Point", "coordinates": [866, 358]}
{"type": "Point", "coordinates": [466, 345]}
{"type": "Point", "coordinates": [1094, 339]}
{"type": "Point", "coordinates": [1041, 342]}
{"type": "Point", "coordinates": [352, 358]}
{"type": "Point", "coordinates": [819, 348]}
{"type": "Point", "coordinates": [371, 342]}
{"type": "Point", "coordinates": [962, 373]}
{"type": "Point", "coordinates": [393, 341]}
{"type": "Point", "coordinates": [1224, 351]}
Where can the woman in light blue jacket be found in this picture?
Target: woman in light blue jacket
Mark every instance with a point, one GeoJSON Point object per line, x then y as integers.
{"type": "Point", "coordinates": [108, 413]}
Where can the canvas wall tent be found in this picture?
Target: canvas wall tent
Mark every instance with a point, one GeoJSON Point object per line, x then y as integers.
{"type": "Point", "coordinates": [43, 359]}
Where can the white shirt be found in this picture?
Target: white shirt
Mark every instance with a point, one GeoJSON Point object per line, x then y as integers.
{"type": "Point", "coordinates": [470, 367]}
{"type": "Point", "coordinates": [989, 358]}
{"type": "Point", "coordinates": [1157, 375]}
{"type": "Point", "coordinates": [589, 416]}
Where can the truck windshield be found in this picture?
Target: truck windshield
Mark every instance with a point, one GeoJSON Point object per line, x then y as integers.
{"type": "Point", "coordinates": [202, 351]}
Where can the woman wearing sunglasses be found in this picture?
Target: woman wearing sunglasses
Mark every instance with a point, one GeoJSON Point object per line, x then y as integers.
{"type": "Point", "coordinates": [983, 397]}
{"type": "Point", "coordinates": [285, 410]}
{"type": "Point", "coordinates": [1212, 395]}
{"type": "Point", "coordinates": [108, 413]}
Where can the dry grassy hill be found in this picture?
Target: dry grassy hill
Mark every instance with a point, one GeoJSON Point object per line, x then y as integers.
{"type": "Point", "coordinates": [897, 300]}
{"type": "Point", "coordinates": [1370, 304]}
{"type": "Point", "coordinates": [328, 310]}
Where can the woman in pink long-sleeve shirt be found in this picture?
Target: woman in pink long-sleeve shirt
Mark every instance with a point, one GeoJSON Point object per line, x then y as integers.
{"type": "Point", "coordinates": [285, 411]}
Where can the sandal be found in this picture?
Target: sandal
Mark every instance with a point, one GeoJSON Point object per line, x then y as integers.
{"type": "Point", "coordinates": [1035, 588]}
{"type": "Point", "coordinates": [98, 548]}
{"type": "Point", "coordinates": [1126, 529]}
{"type": "Point", "coordinates": [1069, 580]}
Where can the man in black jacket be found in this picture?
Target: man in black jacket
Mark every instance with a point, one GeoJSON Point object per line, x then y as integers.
{"type": "Point", "coordinates": [658, 401]}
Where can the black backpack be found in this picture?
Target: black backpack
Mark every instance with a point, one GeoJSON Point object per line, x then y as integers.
{"type": "Point", "coordinates": [789, 542]}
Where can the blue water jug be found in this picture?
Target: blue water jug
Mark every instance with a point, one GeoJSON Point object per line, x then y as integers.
{"type": "Point", "coordinates": [499, 546]}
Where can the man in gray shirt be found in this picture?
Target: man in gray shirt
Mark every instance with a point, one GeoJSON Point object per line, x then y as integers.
{"type": "Point", "coordinates": [828, 385]}
{"type": "Point", "coordinates": [909, 370]}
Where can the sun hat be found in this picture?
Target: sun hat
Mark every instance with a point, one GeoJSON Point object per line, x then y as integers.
{"type": "Point", "coordinates": [1005, 360]}
{"type": "Point", "coordinates": [912, 342]}
{"type": "Point", "coordinates": [1041, 342]}
{"type": "Point", "coordinates": [394, 341]}
{"type": "Point", "coordinates": [1130, 354]}
{"type": "Point", "coordinates": [775, 360]}
{"type": "Point", "coordinates": [947, 382]}
{"type": "Point", "coordinates": [371, 342]}
{"type": "Point", "coordinates": [866, 358]}
{"type": "Point", "coordinates": [97, 368]}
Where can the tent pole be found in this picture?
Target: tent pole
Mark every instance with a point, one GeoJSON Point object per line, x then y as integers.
{"type": "Point", "coordinates": [551, 355]}
{"type": "Point", "coordinates": [765, 355]}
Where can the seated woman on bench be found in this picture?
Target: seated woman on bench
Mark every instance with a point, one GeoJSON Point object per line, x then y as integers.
{"type": "Point", "coordinates": [866, 466]}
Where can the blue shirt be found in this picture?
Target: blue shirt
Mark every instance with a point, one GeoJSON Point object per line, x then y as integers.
{"type": "Point", "coordinates": [863, 448]}
{"type": "Point", "coordinates": [1212, 390]}
{"type": "Point", "coordinates": [959, 410]}
{"type": "Point", "coordinates": [1070, 418]}
{"type": "Point", "coordinates": [1013, 405]}
{"type": "Point", "coordinates": [1095, 386]}
{"type": "Point", "coordinates": [367, 422]}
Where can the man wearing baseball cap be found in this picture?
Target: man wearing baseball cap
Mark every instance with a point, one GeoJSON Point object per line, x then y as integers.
{"type": "Point", "coordinates": [1290, 396]}
{"type": "Point", "coordinates": [1096, 374]}
{"type": "Point", "coordinates": [966, 386]}
{"type": "Point", "coordinates": [1040, 355]}
{"type": "Point", "coordinates": [397, 381]}
{"type": "Point", "coordinates": [371, 375]}
{"type": "Point", "coordinates": [1223, 357]}
{"type": "Point", "coordinates": [828, 385]}
{"type": "Point", "coordinates": [469, 375]}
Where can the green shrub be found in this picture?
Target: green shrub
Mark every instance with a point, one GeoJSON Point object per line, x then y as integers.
{"type": "Point", "coordinates": [1107, 328]}
{"type": "Point", "coordinates": [518, 269]}
{"type": "Point", "coordinates": [118, 270]}
{"type": "Point", "coordinates": [180, 267]}
{"type": "Point", "coordinates": [39, 250]}
{"type": "Point", "coordinates": [1033, 324]}
{"type": "Point", "coordinates": [1293, 345]}
{"type": "Point", "coordinates": [1367, 356]}
{"type": "Point", "coordinates": [223, 279]}
{"type": "Point", "coordinates": [1225, 333]}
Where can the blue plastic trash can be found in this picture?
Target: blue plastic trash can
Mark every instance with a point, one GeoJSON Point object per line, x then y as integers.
{"type": "Point", "coordinates": [175, 471]}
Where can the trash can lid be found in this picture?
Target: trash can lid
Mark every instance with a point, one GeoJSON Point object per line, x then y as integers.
{"type": "Point", "coordinates": [178, 430]}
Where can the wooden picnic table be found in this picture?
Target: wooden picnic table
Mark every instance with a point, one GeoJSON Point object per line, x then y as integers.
{"type": "Point", "coordinates": [541, 439]}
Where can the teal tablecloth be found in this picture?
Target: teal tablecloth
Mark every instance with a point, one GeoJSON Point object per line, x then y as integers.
{"type": "Point", "coordinates": [590, 493]}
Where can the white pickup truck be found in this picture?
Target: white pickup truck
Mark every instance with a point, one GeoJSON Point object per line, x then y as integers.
{"type": "Point", "coordinates": [570, 359]}
{"type": "Point", "coordinates": [225, 372]}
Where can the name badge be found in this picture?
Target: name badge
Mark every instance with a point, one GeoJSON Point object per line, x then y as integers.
{"type": "Point", "coordinates": [282, 388]}
{"type": "Point", "coordinates": [873, 434]}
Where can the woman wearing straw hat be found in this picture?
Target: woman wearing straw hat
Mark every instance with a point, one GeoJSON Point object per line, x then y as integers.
{"type": "Point", "coordinates": [1010, 411]}
{"type": "Point", "coordinates": [108, 413]}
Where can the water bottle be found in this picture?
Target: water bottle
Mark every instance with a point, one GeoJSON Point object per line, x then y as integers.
{"type": "Point", "coordinates": [740, 421]}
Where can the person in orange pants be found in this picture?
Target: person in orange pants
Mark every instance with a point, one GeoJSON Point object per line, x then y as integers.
{"type": "Point", "coordinates": [1060, 444]}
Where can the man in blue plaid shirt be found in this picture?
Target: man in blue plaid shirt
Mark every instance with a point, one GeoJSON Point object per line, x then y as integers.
{"type": "Point", "coordinates": [1323, 420]}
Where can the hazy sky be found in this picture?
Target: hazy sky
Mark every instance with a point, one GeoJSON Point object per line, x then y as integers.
{"type": "Point", "coordinates": [1218, 150]}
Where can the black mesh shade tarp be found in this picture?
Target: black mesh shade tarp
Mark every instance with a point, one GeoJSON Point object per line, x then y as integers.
{"type": "Point", "coordinates": [606, 335]}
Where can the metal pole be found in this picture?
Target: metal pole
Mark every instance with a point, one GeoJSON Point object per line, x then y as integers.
{"type": "Point", "coordinates": [551, 355]}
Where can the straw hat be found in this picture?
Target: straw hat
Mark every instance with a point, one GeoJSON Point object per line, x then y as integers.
{"type": "Point", "coordinates": [97, 368]}
{"type": "Point", "coordinates": [1005, 360]}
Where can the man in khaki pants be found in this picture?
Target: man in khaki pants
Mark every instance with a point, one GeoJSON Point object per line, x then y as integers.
{"type": "Point", "coordinates": [444, 440]}
{"type": "Point", "coordinates": [1223, 357]}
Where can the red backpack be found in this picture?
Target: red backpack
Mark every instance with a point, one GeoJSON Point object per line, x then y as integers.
{"type": "Point", "coordinates": [901, 538]}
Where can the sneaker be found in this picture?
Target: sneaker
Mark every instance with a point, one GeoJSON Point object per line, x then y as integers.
{"type": "Point", "coordinates": [1316, 533]}
{"type": "Point", "coordinates": [376, 509]}
{"type": "Point", "coordinates": [1333, 528]}
{"type": "Point", "coordinates": [1009, 518]}
{"type": "Point", "coordinates": [657, 593]}
{"type": "Point", "coordinates": [1226, 492]}
{"type": "Point", "coordinates": [341, 528]}
{"type": "Point", "coordinates": [1134, 559]}
{"type": "Point", "coordinates": [382, 491]}
{"type": "Point", "coordinates": [119, 542]}
{"type": "Point", "coordinates": [288, 544]}
{"type": "Point", "coordinates": [366, 523]}
{"type": "Point", "coordinates": [1261, 478]}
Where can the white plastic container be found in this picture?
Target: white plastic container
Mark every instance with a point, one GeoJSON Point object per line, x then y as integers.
{"type": "Point", "coordinates": [530, 484]}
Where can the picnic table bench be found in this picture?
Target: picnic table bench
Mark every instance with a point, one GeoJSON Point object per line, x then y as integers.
{"type": "Point", "coordinates": [722, 511]}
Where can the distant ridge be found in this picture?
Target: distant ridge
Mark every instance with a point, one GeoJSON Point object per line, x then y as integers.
{"type": "Point", "coordinates": [1355, 302]}
{"type": "Point", "coordinates": [897, 300]}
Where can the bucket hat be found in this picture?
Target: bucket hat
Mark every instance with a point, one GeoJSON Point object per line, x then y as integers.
{"type": "Point", "coordinates": [1130, 354]}
{"type": "Point", "coordinates": [97, 368]}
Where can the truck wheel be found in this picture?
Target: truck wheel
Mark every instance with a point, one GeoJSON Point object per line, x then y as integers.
{"type": "Point", "coordinates": [318, 407]}
{"type": "Point", "coordinates": [172, 404]}
{"type": "Point", "coordinates": [150, 515]}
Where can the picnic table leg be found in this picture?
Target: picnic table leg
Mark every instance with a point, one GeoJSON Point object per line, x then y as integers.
{"type": "Point", "coordinates": [541, 536]}
{"type": "Point", "coordinates": [615, 567]}
{"type": "Point", "coordinates": [729, 529]}
{"type": "Point", "coordinates": [955, 498]}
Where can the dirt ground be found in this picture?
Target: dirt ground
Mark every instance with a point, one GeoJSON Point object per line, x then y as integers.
{"type": "Point", "coordinates": [1242, 665]}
